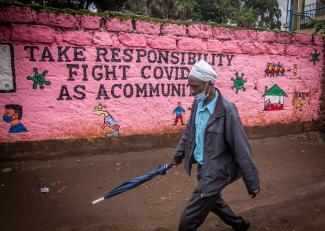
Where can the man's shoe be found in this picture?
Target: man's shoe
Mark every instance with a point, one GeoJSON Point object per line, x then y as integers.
{"type": "Point", "coordinates": [243, 227]}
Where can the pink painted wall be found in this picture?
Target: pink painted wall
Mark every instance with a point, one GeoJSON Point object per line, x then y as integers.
{"type": "Point", "coordinates": [46, 115]}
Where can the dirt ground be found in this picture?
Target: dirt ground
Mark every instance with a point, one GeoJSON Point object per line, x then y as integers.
{"type": "Point", "coordinates": [292, 171]}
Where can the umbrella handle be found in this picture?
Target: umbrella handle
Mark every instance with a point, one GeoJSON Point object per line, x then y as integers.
{"type": "Point", "coordinates": [98, 200]}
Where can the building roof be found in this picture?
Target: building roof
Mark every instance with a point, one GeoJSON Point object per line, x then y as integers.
{"type": "Point", "coordinates": [274, 90]}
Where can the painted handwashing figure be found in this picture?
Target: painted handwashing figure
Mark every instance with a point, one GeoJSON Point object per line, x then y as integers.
{"type": "Point", "coordinates": [13, 114]}
{"type": "Point", "coordinates": [108, 120]}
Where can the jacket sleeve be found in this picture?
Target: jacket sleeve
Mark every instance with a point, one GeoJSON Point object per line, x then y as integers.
{"type": "Point", "coordinates": [241, 149]}
{"type": "Point", "coordinates": [180, 150]}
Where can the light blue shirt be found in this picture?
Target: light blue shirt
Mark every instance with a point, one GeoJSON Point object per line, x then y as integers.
{"type": "Point", "coordinates": [202, 116]}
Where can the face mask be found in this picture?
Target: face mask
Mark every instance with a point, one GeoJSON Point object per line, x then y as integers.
{"type": "Point", "coordinates": [201, 96]}
{"type": "Point", "coordinates": [7, 119]}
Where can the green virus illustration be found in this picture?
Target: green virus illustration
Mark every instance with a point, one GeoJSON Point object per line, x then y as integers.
{"type": "Point", "coordinates": [39, 79]}
{"type": "Point", "coordinates": [238, 82]}
{"type": "Point", "coordinates": [314, 57]}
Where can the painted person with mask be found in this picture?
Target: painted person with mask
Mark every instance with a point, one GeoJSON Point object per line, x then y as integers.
{"type": "Point", "coordinates": [13, 114]}
{"type": "Point", "coordinates": [215, 140]}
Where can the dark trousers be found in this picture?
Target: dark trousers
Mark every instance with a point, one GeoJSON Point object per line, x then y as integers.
{"type": "Point", "coordinates": [198, 208]}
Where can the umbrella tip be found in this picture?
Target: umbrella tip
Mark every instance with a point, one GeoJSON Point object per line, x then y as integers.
{"type": "Point", "coordinates": [98, 200]}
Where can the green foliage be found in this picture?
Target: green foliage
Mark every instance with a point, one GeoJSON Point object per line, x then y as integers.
{"type": "Point", "coordinates": [160, 8]}
{"type": "Point", "coordinates": [169, 9]}
{"type": "Point", "coordinates": [319, 27]}
{"type": "Point", "coordinates": [244, 17]}
{"type": "Point", "coordinates": [136, 7]}
{"type": "Point", "coordinates": [219, 11]}
{"type": "Point", "coordinates": [184, 9]}
{"type": "Point", "coordinates": [112, 5]}
{"type": "Point", "coordinates": [245, 13]}
{"type": "Point", "coordinates": [11, 2]}
{"type": "Point", "coordinates": [62, 4]}
{"type": "Point", "coordinates": [268, 13]}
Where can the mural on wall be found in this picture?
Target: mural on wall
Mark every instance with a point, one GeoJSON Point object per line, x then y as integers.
{"type": "Point", "coordinates": [255, 85]}
{"type": "Point", "coordinates": [13, 114]}
{"type": "Point", "coordinates": [294, 70]}
{"type": "Point", "coordinates": [274, 70]}
{"type": "Point", "coordinates": [39, 79]}
{"type": "Point", "coordinates": [300, 98]}
{"type": "Point", "coordinates": [119, 74]}
{"type": "Point", "coordinates": [119, 70]}
{"type": "Point", "coordinates": [238, 82]}
{"type": "Point", "coordinates": [314, 57]}
{"type": "Point", "coordinates": [7, 70]}
{"type": "Point", "coordinates": [274, 98]}
{"type": "Point", "coordinates": [178, 112]}
{"type": "Point", "coordinates": [108, 121]}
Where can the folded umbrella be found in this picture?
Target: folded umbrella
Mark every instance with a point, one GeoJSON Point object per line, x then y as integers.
{"type": "Point", "coordinates": [160, 170]}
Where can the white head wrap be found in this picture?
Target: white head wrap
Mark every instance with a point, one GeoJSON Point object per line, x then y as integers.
{"type": "Point", "coordinates": [203, 71]}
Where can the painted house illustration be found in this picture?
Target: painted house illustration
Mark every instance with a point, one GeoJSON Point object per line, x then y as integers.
{"type": "Point", "coordinates": [274, 98]}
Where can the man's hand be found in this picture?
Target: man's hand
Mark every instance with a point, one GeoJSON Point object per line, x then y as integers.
{"type": "Point", "coordinates": [254, 193]}
{"type": "Point", "coordinates": [177, 161]}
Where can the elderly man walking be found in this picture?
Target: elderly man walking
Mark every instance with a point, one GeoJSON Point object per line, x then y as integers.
{"type": "Point", "coordinates": [215, 140]}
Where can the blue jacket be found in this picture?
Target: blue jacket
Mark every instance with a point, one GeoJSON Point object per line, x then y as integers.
{"type": "Point", "coordinates": [227, 152]}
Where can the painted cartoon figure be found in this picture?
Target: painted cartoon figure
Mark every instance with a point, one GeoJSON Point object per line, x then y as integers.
{"type": "Point", "coordinates": [295, 70]}
{"type": "Point", "coordinates": [108, 120]}
{"type": "Point", "coordinates": [281, 69]}
{"type": "Point", "coordinates": [179, 114]}
{"type": "Point", "coordinates": [298, 105]}
{"type": "Point", "coordinates": [274, 70]}
{"type": "Point", "coordinates": [268, 69]}
{"type": "Point", "coordinates": [13, 114]}
{"type": "Point", "coordinates": [300, 98]}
